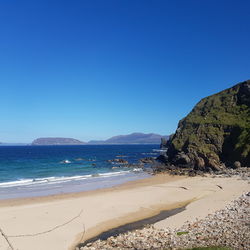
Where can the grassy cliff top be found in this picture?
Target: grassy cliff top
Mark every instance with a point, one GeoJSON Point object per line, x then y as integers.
{"type": "Point", "coordinates": [226, 107]}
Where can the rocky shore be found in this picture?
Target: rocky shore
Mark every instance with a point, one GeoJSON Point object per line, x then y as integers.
{"type": "Point", "coordinates": [242, 173]}
{"type": "Point", "coordinates": [228, 227]}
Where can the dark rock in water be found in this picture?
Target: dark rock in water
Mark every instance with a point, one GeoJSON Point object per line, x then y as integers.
{"type": "Point", "coordinates": [215, 134]}
{"type": "Point", "coordinates": [119, 161]}
{"type": "Point", "coordinates": [147, 160]}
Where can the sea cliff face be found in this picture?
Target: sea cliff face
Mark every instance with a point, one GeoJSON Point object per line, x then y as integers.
{"type": "Point", "coordinates": [215, 134]}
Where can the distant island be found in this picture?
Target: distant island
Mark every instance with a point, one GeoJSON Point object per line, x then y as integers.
{"type": "Point", "coordinates": [134, 138]}
{"type": "Point", "coordinates": [57, 141]}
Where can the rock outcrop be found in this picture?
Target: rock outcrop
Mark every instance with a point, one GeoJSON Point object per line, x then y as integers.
{"type": "Point", "coordinates": [164, 142]}
{"type": "Point", "coordinates": [147, 160]}
{"type": "Point", "coordinates": [118, 161]}
{"type": "Point", "coordinates": [215, 134]}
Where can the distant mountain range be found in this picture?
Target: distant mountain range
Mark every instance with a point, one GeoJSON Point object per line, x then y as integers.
{"type": "Point", "coordinates": [134, 138]}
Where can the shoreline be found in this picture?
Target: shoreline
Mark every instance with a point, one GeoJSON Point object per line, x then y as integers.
{"type": "Point", "coordinates": [95, 182]}
{"type": "Point", "coordinates": [158, 178]}
{"type": "Point", "coordinates": [112, 207]}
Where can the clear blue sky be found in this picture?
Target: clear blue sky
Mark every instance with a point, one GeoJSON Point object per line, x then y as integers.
{"type": "Point", "coordinates": [94, 69]}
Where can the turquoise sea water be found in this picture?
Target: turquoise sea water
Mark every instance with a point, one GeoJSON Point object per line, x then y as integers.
{"type": "Point", "coordinates": [27, 171]}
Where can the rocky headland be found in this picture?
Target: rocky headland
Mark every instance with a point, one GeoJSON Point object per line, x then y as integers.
{"type": "Point", "coordinates": [215, 135]}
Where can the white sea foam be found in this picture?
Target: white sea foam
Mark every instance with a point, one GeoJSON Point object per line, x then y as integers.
{"type": "Point", "coordinates": [65, 161]}
{"type": "Point", "coordinates": [137, 169]}
{"type": "Point", "coordinates": [56, 180]}
{"type": "Point", "coordinates": [150, 153]}
{"type": "Point", "coordinates": [160, 150]}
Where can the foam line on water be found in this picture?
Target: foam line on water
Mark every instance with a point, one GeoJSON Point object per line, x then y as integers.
{"type": "Point", "coordinates": [54, 179]}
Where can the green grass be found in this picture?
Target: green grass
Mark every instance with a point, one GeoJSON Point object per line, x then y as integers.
{"type": "Point", "coordinates": [181, 233]}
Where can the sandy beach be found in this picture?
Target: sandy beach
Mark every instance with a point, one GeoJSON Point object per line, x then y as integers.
{"type": "Point", "coordinates": [61, 221]}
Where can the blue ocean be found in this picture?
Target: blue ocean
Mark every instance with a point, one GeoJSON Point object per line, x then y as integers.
{"type": "Point", "coordinates": [27, 171]}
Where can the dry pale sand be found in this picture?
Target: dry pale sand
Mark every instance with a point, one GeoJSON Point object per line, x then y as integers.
{"type": "Point", "coordinates": [57, 222]}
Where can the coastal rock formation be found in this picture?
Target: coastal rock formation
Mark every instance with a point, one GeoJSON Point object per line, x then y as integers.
{"type": "Point", "coordinates": [118, 161]}
{"type": "Point", "coordinates": [147, 160]}
{"type": "Point", "coordinates": [164, 142]}
{"type": "Point", "coordinates": [57, 141]}
{"type": "Point", "coordinates": [215, 134]}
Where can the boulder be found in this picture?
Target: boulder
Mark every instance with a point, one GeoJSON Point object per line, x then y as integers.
{"type": "Point", "coordinates": [200, 163]}
{"type": "Point", "coordinates": [214, 165]}
{"type": "Point", "coordinates": [181, 159]}
{"type": "Point", "coordinates": [237, 164]}
{"type": "Point", "coordinates": [147, 160]}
